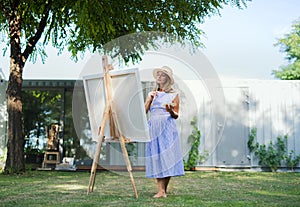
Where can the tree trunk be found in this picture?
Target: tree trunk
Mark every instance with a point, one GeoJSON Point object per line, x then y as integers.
{"type": "Point", "coordinates": [15, 146]}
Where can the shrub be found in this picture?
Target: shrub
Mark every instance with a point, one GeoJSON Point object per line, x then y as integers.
{"type": "Point", "coordinates": [194, 155]}
{"type": "Point", "coordinates": [273, 154]}
{"type": "Point", "coordinates": [292, 160]}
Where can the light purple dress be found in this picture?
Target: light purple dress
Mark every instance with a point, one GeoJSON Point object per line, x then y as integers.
{"type": "Point", "coordinates": [163, 152]}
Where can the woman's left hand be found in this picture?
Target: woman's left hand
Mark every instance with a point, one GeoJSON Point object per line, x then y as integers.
{"type": "Point", "coordinates": [170, 109]}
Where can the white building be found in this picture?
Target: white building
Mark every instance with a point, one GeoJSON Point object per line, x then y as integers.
{"type": "Point", "coordinates": [271, 106]}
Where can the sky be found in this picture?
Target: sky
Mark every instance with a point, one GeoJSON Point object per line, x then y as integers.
{"type": "Point", "coordinates": [239, 44]}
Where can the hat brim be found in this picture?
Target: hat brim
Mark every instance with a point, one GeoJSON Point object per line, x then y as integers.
{"type": "Point", "coordinates": [156, 70]}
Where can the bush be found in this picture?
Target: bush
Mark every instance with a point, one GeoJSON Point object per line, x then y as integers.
{"type": "Point", "coordinates": [273, 154]}
{"type": "Point", "coordinates": [292, 160]}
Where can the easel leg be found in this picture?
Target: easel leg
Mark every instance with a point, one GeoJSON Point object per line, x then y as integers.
{"type": "Point", "coordinates": [97, 155]}
{"type": "Point", "coordinates": [127, 161]}
{"type": "Point", "coordinates": [94, 169]}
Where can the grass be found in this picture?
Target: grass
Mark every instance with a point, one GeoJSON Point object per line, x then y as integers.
{"type": "Point", "coordinates": [56, 188]}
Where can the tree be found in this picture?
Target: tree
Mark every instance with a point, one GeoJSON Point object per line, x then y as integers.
{"type": "Point", "coordinates": [82, 25]}
{"type": "Point", "coordinates": [290, 45]}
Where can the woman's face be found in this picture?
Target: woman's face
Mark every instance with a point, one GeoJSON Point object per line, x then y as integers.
{"type": "Point", "coordinates": [161, 78]}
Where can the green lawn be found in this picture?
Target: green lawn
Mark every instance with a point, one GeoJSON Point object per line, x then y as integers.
{"type": "Point", "coordinates": [52, 188]}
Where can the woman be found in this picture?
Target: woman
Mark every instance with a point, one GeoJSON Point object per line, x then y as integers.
{"type": "Point", "coordinates": [163, 153]}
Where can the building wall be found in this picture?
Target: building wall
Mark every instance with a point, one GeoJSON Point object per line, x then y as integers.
{"type": "Point", "coordinates": [270, 106]}
{"type": "Point", "coordinates": [275, 111]}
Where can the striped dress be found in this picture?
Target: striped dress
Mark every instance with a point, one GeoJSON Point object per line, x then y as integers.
{"type": "Point", "coordinates": [163, 152]}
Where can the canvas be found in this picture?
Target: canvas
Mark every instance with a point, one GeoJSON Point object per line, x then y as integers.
{"type": "Point", "coordinates": [128, 103]}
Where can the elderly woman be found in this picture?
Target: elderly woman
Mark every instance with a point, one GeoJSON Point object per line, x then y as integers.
{"type": "Point", "coordinates": [163, 152]}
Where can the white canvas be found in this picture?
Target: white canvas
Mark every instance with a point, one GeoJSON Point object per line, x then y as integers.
{"type": "Point", "coordinates": [128, 103]}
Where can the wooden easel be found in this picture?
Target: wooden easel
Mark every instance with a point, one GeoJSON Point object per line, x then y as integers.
{"type": "Point", "coordinates": [109, 113]}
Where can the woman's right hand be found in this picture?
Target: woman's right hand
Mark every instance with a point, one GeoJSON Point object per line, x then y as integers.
{"type": "Point", "coordinates": [151, 95]}
{"type": "Point", "coordinates": [149, 100]}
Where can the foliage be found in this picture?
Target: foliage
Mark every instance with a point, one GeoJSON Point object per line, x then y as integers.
{"type": "Point", "coordinates": [33, 151]}
{"type": "Point", "coordinates": [88, 25]}
{"type": "Point", "coordinates": [292, 160]}
{"type": "Point", "coordinates": [194, 157]}
{"type": "Point", "coordinates": [273, 154]}
{"type": "Point", "coordinates": [130, 147]}
{"type": "Point", "coordinates": [40, 109]}
{"type": "Point", "coordinates": [290, 45]}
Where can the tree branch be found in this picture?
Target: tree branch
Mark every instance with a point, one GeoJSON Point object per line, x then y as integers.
{"type": "Point", "coordinates": [34, 39]}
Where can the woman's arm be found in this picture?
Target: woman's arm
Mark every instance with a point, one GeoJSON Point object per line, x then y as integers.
{"type": "Point", "coordinates": [149, 100]}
